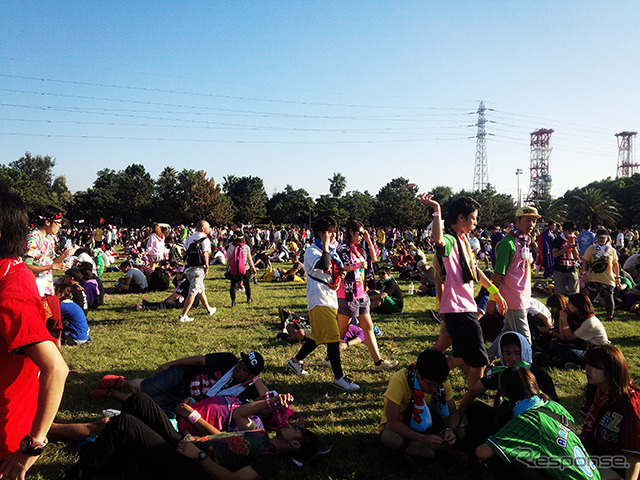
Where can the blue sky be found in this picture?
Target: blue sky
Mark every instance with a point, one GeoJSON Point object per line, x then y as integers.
{"type": "Point", "coordinates": [294, 91]}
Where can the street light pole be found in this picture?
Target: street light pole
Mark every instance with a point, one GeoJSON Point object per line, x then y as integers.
{"type": "Point", "coordinates": [518, 173]}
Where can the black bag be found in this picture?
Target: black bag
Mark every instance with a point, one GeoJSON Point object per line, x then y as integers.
{"type": "Point", "coordinates": [194, 256]}
{"type": "Point", "coordinates": [159, 280]}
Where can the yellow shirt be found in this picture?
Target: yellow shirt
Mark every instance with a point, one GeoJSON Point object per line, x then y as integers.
{"type": "Point", "coordinates": [399, 393]}
{"type": "Point", "coordinates": [601, 269]}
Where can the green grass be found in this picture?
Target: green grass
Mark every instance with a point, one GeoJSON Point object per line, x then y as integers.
{"type": "Point", "coordinates": [134, 344]}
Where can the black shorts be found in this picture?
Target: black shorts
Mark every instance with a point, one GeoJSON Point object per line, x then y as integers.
{"type": "Point", "coordinates": [466, 338]}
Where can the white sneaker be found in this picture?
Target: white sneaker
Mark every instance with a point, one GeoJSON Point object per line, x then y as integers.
{"type": "Point", "coordinates": [386, 365]}
{"type": "Point", "coordinates": [297, 368]}
{"type": "Point", "coordinates": [326, 363]}
{"type": "Point", "coordinates": [212, 311]}
{"type": "Point", "coordinates": [345, 384]}
{"type": "Point", "coordinates": [184, 318]}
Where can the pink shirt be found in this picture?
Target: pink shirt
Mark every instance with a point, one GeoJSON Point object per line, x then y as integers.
{"type": "Point", "coordinates": [515, 287]}
{"type": "Point", "coordinates": [457, 297]}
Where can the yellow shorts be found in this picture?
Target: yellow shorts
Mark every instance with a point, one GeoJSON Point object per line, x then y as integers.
{"type": "Point", "coordinates": [324, 325]}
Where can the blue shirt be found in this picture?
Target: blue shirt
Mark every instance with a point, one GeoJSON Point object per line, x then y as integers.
{"type": "Point", "coordinates": [585, 239]}
{"type": "Point", "coordinates": [74, 320]}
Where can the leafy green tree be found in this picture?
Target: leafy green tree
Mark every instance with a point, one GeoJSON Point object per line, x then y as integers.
{"type": "Point", "coordinates": [337, 184]}
{"type": "Point", "coordinates": [331, 206]}
{"type": "Point", "coordinates": [168, 197]}
{"type": "Point", "coordinates": [33, 195]}
{"type": "Point", "coordinates": [397, 205]}
{"type": "Point", "coordinates": [60, 194]}
{"type": "Point", "coordinates": [594, 206]}
{"type": "Point", "coordinates": [38, 168]}
{"type": "Point", "coordinates": [360, 206]}
{"type": "Point", "coordinates": [248, 197]}
{"type": "Point", "coordinates": [204, 199]}
{"type": "Point", "coordinates": [100, 201]}
{"type": "Point", "coordinates": [442, 194]}
{"type": "Point", "coordinates": [552, 209]}
{"type": "Point", "coordinates": [135, 187]}
{"type": "Point", "coordinates": [290, 206]}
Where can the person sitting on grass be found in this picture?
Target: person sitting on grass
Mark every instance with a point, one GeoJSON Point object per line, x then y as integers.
{"type": "Point", "coordinates": [134, 280]}
{"type": "Point", "coordinates": [142, 441]}
{"type": "Point", "coordinates": [198, 377]}
{"type": "Point", "coordinates": [419, 410]}
{"type": "Point", "coordinates": [537, 440]}
{"type": "Point", "coordinates": [175, 300]}
{"type": "Point", "coordinates": [389, 299]}
{"type": "Point", "coordinates": [513, 349]}
{"type": "Point", "coordinates": [75, 329]}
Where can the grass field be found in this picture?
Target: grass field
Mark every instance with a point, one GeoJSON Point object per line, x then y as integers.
{"type": "Point", "coordinates": [134, 343]}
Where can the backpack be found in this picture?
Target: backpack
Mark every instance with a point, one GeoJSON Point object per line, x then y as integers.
{"type": "Point", "coordinates": [159, 280]}
{"type": "Point", "coordinates": [237, 262]}
{"type": "Point", "coordinates": [194, 256]}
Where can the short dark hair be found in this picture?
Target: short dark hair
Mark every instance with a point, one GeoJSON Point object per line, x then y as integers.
{"type": "Point", "coordinates": [125, 264]}
{"type": "Point", "coordinates": [75, 274]}
{"type": "Point", "coordinates": [569, 225]}
{"type": "Point", "coordinates": [461, 206]}
{"type": "Point", "coordinates": [14, 223]}
{"type": "Point", "coordinates": [583, 303]}
{"type": "Point", "coordinates": [433, 366]}
{"type": "Point", "coordinates": [323, 224]}
{"type": "Point", "coordinates": [510, 338]}
{"type": "Point", "coordinates": [586, 226]}
{"type": "Point", "coordinates": [47, 213]}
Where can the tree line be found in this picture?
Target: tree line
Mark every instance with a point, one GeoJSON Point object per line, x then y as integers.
{"type": "Point", "coordinates": [132, 197]}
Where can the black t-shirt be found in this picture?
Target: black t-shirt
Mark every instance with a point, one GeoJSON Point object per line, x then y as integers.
{"type": "Point", "coordinates": [557, 244]}
{"type": "Point", "coordinates": [391, 288]}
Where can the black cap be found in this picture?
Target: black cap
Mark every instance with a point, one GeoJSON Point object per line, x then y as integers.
{"type": "Point", "coordinates": [253, 361]}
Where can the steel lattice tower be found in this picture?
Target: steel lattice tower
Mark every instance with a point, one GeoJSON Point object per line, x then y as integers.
{"type": "Point", "coordinates": [540, 182]}
{"type": "Point", "coordinates": [626, 167]}
{"type": "Point", "coordinates": [481, 170]}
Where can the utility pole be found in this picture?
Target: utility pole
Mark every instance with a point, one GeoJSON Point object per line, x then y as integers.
{"type": "Point", "coordinates": [518, 173]}
{"type": "Point", "coordinates": [481, 170]}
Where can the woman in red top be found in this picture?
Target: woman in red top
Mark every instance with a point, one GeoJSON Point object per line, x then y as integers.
{"type": "Point", "coordinates": [612, 424]}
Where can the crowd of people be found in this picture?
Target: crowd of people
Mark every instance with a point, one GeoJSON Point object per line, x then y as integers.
{"type": "Point", "coordinates": [208, 416]}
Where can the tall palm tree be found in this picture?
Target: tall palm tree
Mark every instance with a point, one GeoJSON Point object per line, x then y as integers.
{"type": "Point", "coordinates": [337, 184]}
{"type": "Point", "coordinates": [551, 209]}
{"type": "Point", "coordinates": [596, 207]}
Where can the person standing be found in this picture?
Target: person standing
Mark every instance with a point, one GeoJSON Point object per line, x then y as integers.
{"type": "Point", "coordinates": [457, 303]}
{"type": "Point", "coordinates": [321, 262]}
{"type": "Point", "coordinates": [601, 261]}
{"type": "Point", "coordinates": [240, 273]}
{"type": "Point", "coordinates": [353, 301]}
{"type": "Point", "coordinates": [546, 244]}
{"type": "Point", "coordinates": [32, 370]}
{"type": "Point", "coordinates": [585, 238]}
{"type": "Point", "coordinates": [512, 271]}
{"type": "Point", "coordinates": [566, 257]}
{"type": "Point", "coordinates": [197, 269]}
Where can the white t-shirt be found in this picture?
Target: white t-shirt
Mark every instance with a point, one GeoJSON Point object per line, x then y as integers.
{"type": "Point", "coordinates": [592, 331]}
{"type": "Point", "coordinates": [536, 307]}
{"type": "Point", "coordinates": [318, 294]}
{"type": "Point", "coordinates": [206, 245]}
{"type": "Point", "coordinates": [620, 239]}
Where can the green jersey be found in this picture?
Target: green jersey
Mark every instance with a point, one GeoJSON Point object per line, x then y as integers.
{"type": "Point", "coordinates": [537, 438]}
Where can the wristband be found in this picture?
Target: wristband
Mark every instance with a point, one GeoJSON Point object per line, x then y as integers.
{"type": "Point", "coordinates": [492, 289]}
{"type": "Point", "coordinates": [566, 328]}
{"type": "Point", "coordinates": [435, 214]}
{"type": "Point", "coordinates": [194, 416]}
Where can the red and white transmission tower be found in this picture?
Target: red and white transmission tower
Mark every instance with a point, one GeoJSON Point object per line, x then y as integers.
{"type": "Point", "coordinates": [540, 182]}
{"type": "Point", "coordinates": [626, 167]}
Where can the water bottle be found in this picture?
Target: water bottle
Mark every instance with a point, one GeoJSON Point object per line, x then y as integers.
{"type": "Point", "coordinates": [411, 289]}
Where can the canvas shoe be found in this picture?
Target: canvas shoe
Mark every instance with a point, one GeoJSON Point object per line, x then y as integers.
{"type": "Point", "coordinates": [345, 384]}
{"type": "Point", "coordinates": [184, 318]}
{"type": "Point", "coordinates": [297, 368]}
{"type": "Point", "coordinates": [212, 311]}
{"type": "Point", "coordinates": [386, 365]}
{"type": "Point", "coordinates": [434, 316]}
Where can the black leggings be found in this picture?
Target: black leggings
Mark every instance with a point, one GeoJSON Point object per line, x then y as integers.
{"type": "Point", "coordinates": [141, 437]}
{"type": "Point", "coordinates": [245, 279]}
{"type": "Point", "coordinates": [333, 352]}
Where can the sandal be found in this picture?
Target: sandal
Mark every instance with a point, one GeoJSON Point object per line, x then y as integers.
{"type": "Point", "coordinates": [100, 393]}
{"type": "Point", "coordinates": [111, 381]}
